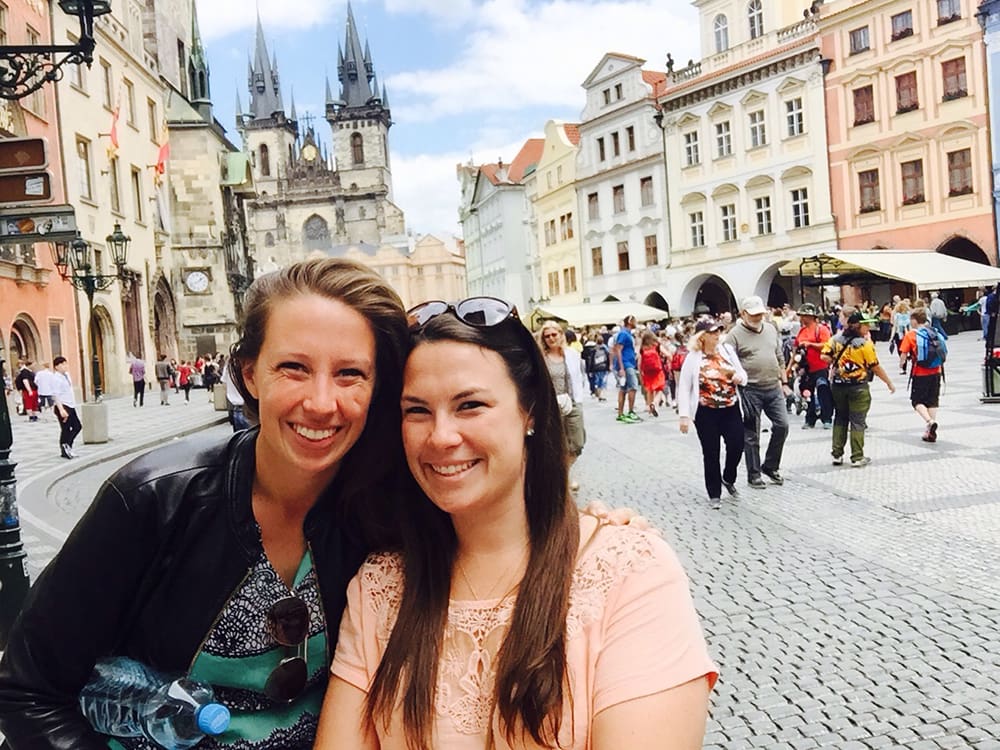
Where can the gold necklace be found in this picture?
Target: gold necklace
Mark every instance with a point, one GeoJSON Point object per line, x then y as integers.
{"type": "Point", "coordinates": [496, 583]}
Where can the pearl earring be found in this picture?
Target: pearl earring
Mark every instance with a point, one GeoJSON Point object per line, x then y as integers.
{"type": "Point", "coordinates": [530, 432]}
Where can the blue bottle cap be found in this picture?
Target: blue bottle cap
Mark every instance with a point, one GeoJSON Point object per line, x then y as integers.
{"type": "Point", "coordinates": [213, 718]}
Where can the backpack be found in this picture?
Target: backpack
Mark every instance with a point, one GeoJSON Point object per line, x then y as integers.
{"type": "Point", "coordinates": [650, 364]}
{"type": "Point", "coordinates": [599, 359]}
{"type": "Point", "coordinates": [931, 349]}
{"type": "Point", "coordinates": [677, 361]}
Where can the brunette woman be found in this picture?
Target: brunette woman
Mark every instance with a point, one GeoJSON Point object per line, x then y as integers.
{"type": "Point", "coordinates": [509, 619]}
{"type": "Point", "coordinates": [707, 392]}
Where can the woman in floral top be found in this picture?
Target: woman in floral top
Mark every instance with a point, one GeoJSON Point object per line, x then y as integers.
{"type": "Point", "coordinates": [707, 391]}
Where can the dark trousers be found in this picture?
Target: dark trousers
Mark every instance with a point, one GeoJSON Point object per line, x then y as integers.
{"type": "Point", "coordinates": [851, 403]}
{"type": "Point", "coordinates": [819, 383]}
{"type": "Point", "coordinates": [714, 425]}
{"type": "Point", "coordinates": [138, 392]}
{"type": "Point", "coordinates": [769, 400]}
{"type": "Point", "coordinates": [187, 390]}
{"type": "Point", "coordinates": [70, 427]}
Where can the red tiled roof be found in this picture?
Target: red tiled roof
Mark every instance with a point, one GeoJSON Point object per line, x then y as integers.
{"type": "Point", "coordinates": [526, 158]}
{"type": "Point", "coordinates": [572, 133]}
{"type": "Point", "coordinates": [656, 79]}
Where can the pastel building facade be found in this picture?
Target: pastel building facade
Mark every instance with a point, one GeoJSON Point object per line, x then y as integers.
{"type": "Point", "coordinates": [746, 149]}
{"type": "Point", "coordinates": [908, 114]}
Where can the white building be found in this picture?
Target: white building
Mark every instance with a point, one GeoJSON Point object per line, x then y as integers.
{"type": "Point", "coordinates": [620, 185]}
{"type": "Point", "coordinates": [746, 146]}
{"type": "Point", "coordinates": [494, 213]}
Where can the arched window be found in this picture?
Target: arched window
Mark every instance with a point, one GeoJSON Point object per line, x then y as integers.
{"type": "Point", "coordinates": [721, 33]}
{"type": "Point", "coordinates": [316, 233]}
{"type": "Point", "coordinates": [268, 240]}
{"type": "Point", "coordinates": [357, 148]}
{"type": "Point", "coordinates": [265, 161]}
{"type": "Point", "coordinates": [755, 15]}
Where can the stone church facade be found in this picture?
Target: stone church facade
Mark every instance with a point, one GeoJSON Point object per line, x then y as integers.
{"type": "Point", "coordinates": [309, 200]}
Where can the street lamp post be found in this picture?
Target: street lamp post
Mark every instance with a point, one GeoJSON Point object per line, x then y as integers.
{"type": "Point", "coordinates": [74, 265]}
{"type": "Point", "coordinates": [14, 581]}
{"type": "Point", "coordinates": [25, 68]}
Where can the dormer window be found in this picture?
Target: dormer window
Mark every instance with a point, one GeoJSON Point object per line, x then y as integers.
{"type": "Point", "coordinates": [721, 26]}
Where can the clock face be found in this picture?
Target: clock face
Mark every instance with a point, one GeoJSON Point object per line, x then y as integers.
{"type": "Point", "coordinates": [196, 281]}
{"type": "Point", "coordinates": [309, 152]}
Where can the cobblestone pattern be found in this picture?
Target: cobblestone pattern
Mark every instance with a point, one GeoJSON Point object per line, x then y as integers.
{"type": "Point", "coordinates": [849, 608]}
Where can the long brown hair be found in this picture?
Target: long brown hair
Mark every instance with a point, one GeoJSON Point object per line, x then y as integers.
{"type": "Point", "coordinates": [531, 665]}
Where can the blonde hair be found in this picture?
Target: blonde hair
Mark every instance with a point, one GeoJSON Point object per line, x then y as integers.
{"type": "Point", "coordinates": [550, 325]}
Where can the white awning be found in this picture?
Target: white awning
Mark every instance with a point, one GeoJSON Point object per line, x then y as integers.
{"type": "Point", "coordinates": [597, 313]}
{"type": "Point", "coordinates": [925, 269]}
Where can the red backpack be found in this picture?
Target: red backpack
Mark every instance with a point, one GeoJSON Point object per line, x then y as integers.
{"type": "Point", "coordinates": [677, 361]}
{"type": "Point", "coordinates": [650, 364]}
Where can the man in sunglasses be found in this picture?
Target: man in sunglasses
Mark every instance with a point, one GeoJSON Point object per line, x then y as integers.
{"type": "Point", "coordinates": [625, 366]}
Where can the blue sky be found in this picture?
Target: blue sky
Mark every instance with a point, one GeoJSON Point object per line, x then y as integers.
{"type": "Point", "coordinates": [466, 78]}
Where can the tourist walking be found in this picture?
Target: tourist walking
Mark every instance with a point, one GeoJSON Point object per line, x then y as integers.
{"type": "Point", "coordinates": [852, 359]}
{"type": "Point", "coordinates": [927, 351]}
{"type": "Point", "coordinates": [44, 383]}
{"type": "Point", "coordinates": [707, 390]}
{"type": "Point", "coordinates": [939, 313]}
{"type": "Point", "coordinates": [757, 343]}
{"type": "Point", "coordinates": [654, 380]}
{"type": "Point", "coordinates": [810, 340]}
{"type": "Point", "coordinates": [163, 375]}
{"type": "Point", "coordinates": [24, 382]}
{"type": "Point", "coordinates": [566, 371]}
{"type": "Point", "coordinates": [137, 369]}
{"type": "Point", "coordinates": [184, 373]}
{"type": "Point", "coordinates": [625, 366]}
{"type": "Point", "coordinates": [65, 407]}
{"type": "Point", "coordinates": [597, 362]}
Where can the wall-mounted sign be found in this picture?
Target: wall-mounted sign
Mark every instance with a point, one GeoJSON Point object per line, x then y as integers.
{"type": "Point", "coordinates": [44, 224]}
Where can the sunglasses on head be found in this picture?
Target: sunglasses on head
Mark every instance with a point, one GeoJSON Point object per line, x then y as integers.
{"type": "Point", "coordinates": [288, 624]}
{"type": "Point", "coordinates": [481, 312]}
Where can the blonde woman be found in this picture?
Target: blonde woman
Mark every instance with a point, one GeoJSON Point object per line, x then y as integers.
{"type": "Point", "coordinates": [707, 394]}
{"type": "Point", "coordinates": [566, 370]}
{"type": "Point", "coordinates": [900, 325]}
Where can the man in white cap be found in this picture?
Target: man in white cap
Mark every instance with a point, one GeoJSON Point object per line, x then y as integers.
{"type": "Point", "coordinates": [758, 344]}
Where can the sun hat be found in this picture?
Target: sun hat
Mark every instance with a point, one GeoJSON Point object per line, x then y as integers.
{"type": "Point", "coordinates": [808, 309]}
{"type": "Point", "coordinates": [858, 318]}
{"type": "Point", "coordinates": [753, 305]}
{"type": "Point", "coordinates": [708, 324]}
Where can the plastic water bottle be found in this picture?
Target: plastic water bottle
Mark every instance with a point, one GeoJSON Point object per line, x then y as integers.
{"type": "Point", "coordinates": [125, 698]}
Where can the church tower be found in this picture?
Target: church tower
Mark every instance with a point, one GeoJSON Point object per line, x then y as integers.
{"type": "Point", "coordinates": [268, 133]}
{"type": "Point", "coordinates": [360, 117]}
{"type": "Point", "coordinates": [199, 83]}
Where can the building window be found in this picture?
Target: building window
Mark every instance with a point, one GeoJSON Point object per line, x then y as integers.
{"type": "Point", "coordinates": [623, 264]}
{"type": "Point", "coordinates": [593, 207]}
{"type": "Point", "coordinates": [960, 172]}
{"type": "Point", "coordinates": [618, 92]}
{"type": "Point", "coordinates": [630, 137]}
{"type": "Point", "coordinates": [723, 139]}
{"type": "Point", "coordinates": [800, 208]}
{"type": "Point", "coordinates": [948, 11]}
{"type": "Point", "coordinates": [859, 40]}
{"type": "Point", "coordinates": [913, 181]}
{"type": "Point", "coordinates": [137, 193]}
{"type": "Point", "coordinates": [182, 65]}
{"type": "Point", "coordinates": [36, 102]}
{"type": "Point", "coordinates": [794, 117]}
{"type": "Point", "coordinates": [721, 26]}
{"type": "Point", "coordinates": [697, 221]}
{"type": "Point", "coordinates": [864, 105]}
{"type": "Point", "coordinates": [954, 79]}
{"type": "Point", "coordinates": [762, 209]}
{"type": "Point", "coordinates": [559, 177]}
{"type": "Point", "coordinates": [596, 261]}
{"type": "Point", "coordinates": [84, 182]}
{"type": "Point", "coordinates": [357, 148]}
{"type": "Point", "coordinates": [868, 188]}
{"type": "Point", "coordinates": [77, 73]}
{"type": "Point", "coordinates": [652, 252]}
{"type": "Point", "coordinates": [691, 153]}
{"type": "Point", "coordinates": [728, 213]}
{"type": "Point", "coordinates": [116, 200]}
{"type": "Point", "coordinates": [755, 15]}
{"type": "Point", "coordinates": [906, 93]}
{"type": "Point", "coordinates": [569, 279]}
{"type": "Point", "coordinates": [758, 131]}
{"type": "Point", "coordinates": [566, 226]}
{"type": "Point", "coordinates": [601, 155]}
{"type": "Point", "coordinates": [618, 198]}
{"type": "Point", "coordinates": [646, 191]}
{"type": "Point", "coordinates": [548, 180]}
{"type": "Point", "coordinates": [154, 121]}
{"type": "Point", "coordinates": [265, 161]}
{"type": "Point", "coordinates": [129, 101]}
{"type": "Point", "coordinates": [106, 85]}
{"type": "Point", "coordinates": [902, 25]}
{"type": "Point", "coordinates": [616, 144]}
{"type": "Point", "coordinates": [553, 283]}
{"type": "Point", "coordinates": [55, 337]}
{"type": "Point", "coordinates": [607, 96]}
{"type": "Point", "coordinates": [550, 232]}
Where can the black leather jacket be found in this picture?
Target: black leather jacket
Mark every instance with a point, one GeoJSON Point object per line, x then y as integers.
{"type": "Point", "coordinates": [144, 574]}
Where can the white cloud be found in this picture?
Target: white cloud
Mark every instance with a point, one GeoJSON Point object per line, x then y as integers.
{"type": "Point", "coordinates": [444, 12]}
{"type": "Point", "coordinates": [219, 18]}
{"type": "Point", "coordinates": [520, 54]}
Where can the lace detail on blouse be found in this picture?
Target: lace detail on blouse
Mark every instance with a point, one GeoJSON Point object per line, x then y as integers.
{"type": "Point", "coordinates": [476, 629]}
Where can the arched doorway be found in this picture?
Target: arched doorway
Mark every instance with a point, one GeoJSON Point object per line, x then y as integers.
{"type": "Point", "coordinates": [707, 294]}
{"type": "Point", "coordinates": [24, 341]}
{"type": "Point", "coordinates": [655, 299]}
{"type": "Point", "coordinates": [964, 248]}
{"type": "Point", "coordinates": [164, 321]}
{"type": "Point", "coordinates": [773, 288]}
{"type": "Point", "coordinates": [101, 334]}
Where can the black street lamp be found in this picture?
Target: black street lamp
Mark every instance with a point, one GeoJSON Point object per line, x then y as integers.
{"type": "Point", "coordinates": [74, 264]}
{"type": "Point", "coordinates": [14, 581]}
{"type": "Point", "coordinates": [24, 69]}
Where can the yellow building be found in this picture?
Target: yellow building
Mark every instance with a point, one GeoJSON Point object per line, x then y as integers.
{"type": "Point", "coordinates": [907, 110]}
{"type": "Point", "coordinates": [553, 206]}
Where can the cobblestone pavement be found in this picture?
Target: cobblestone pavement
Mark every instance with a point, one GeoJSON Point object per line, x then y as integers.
{"type": "Point", "coordinates": [850, 608]}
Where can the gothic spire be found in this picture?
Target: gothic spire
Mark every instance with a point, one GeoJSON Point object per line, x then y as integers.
{"type": "Point", "coordinates": [353, 67]}
{"type": "Point", "coordinates": [200, 76]}
{"type": "Point", "coordinates": [265, 88]}
{"type": "Point", "coordinates": [291, 114]}
{"type": "Point", "coordinates": [239, 109]}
